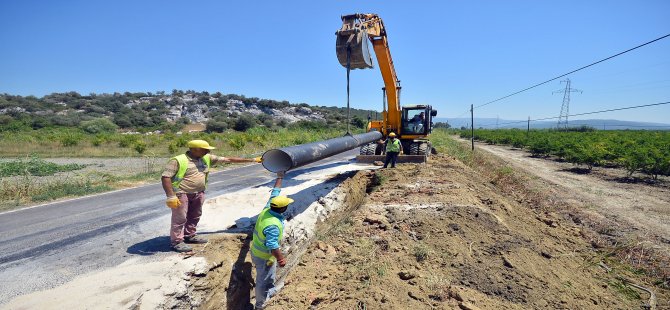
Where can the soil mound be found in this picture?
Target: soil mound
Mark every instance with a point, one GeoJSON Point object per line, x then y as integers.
{"type": "Point", "coordinates": [440, 236]}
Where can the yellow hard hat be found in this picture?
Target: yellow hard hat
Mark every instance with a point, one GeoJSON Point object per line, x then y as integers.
{"type": "Point", "coordinates": [392, 134]}
{"type": "Point", "coordinates": [199, 144]}
{"type": "Point", "coordinates": [280, 201]}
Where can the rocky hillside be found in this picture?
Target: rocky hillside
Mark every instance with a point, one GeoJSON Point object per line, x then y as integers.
{"type": "Point", "coordinates": [153, 110]}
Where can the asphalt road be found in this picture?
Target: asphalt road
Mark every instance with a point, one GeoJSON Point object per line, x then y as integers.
{"type": "Point", "coordinates": [44, 246]}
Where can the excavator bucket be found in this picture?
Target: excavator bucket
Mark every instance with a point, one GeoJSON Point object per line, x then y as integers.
{"type": "Point", "coordinates": [352, 44]}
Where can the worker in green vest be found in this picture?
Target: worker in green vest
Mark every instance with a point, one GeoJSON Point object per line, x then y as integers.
{"type": "Point", "coordinates": [184, 181]}
{"type": "Point", "coordinates": [265, 251]}
{"type": "Point", "coordinates": [393, 148]}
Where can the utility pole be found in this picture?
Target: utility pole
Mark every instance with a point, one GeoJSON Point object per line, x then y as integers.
{"type": "Point", "coordinates": [472, 123]}
{"type": "Point", "coordinates": [565, 108]}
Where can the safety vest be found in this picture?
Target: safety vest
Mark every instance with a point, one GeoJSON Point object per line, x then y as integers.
{"type": "Point", "coordinates": [182, 163]}
{"type": "Point", "coordinates": [394, 146]}
{"type": "Point", "coordinates": [258, 248]}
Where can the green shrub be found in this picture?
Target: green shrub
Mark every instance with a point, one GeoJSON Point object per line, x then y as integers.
{"type": "Point", "coordinates": [182, 141]}
{"type": "Point", "coordinates": [173, 148]}
{"type": "Point", "coordinates": [244, 123]}
{"type": "Point", "coordinates": [70, 139]}
{"type": "Point", "coordinates": [140, 147]}
{"type": "Point", "coordinates": [216, 126]}
{"type": "Point", "coordinates": [237, 142]}
{"type": "Point", "coordinates": [98, 125]}
{"type": "Point", "coordinates": [128, 140]}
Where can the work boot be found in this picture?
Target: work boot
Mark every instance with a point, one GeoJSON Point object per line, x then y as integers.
{"type": "Point", "coordinates": [195, 239]}
{"type": "Point", "coordinates": [182, 247]}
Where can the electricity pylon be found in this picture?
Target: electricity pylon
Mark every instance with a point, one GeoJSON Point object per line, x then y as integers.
{"type": "Point", "coordinates": [565, 108]}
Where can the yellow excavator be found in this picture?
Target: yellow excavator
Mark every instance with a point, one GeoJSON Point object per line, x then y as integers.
{"type": "Point", "coordinates": [412, 124]}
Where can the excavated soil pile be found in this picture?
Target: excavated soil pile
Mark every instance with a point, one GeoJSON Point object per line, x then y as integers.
{"type": "Point", "coordinates": [440, 236]}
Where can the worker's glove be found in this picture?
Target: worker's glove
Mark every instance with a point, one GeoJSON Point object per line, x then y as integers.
{"type": "Point", "coordinates": [173, 202]}
{"type": "Point", "coordinates": [258, 159]}
{"type": "Point", "coordinates": [282, 262]}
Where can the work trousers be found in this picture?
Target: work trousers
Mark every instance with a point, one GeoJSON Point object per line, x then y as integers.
{"type": "Point", "coordinates": [186, 217]}
{"type": "Point", "coordinates": [391, 157]}
{"type": "Point", "coordinates": [265, 281]}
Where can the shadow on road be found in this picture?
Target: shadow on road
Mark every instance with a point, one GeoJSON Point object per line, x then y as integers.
{"type": "Point", "coordinates": [151, 246]}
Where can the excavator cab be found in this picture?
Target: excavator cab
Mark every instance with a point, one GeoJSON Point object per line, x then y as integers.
{"type": "Point", "coordinates": [352, 43]}
{"type": "Point", "coordinates": [417, 120]}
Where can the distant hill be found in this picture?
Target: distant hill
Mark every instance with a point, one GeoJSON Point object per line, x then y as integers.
{"type": "Point", "coordinates": [165, 111]}
{"type": "Point", "coordinates": [606, 124]}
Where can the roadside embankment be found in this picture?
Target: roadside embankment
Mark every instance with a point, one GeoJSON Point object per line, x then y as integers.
{"type": "Point", "coordinates": [442, 236]}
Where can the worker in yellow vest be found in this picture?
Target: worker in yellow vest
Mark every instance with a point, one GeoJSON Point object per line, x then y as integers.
{"type": "Point", "coordinates": [184, 181]}
{"type": "Point", "coordinates": [393, 148]}
{"type": "Point", "coordinates": [265, 251]}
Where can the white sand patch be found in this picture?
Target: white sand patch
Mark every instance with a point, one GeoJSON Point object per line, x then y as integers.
{"type": "Point", "coordinates": [132, 283]}
{"type": "Point", "coordinates": [242, 207]}
{"type": "Point", "coordinates": [145, 284]}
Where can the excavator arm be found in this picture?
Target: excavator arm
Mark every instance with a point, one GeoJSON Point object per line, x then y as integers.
{"type": "Point", "coordinates": [353, 52]}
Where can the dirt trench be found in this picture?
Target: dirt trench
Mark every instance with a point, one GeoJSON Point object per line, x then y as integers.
{"type": "Point", "coordinates": [228, 282]}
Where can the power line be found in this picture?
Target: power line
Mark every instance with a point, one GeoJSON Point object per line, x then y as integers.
{"type": "Point", "coordinates": [573, 71]}
{"type": "Point", "coordinates": [611, 110]}
{"type": "Point", "coordinates": [585, 113]}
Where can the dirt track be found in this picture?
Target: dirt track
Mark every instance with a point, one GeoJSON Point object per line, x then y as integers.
{"type": "Point", "coordinates": [607, 192]}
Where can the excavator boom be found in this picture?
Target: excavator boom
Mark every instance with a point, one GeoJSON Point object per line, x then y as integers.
{"type": "Point", "coordinates": [412, 124]}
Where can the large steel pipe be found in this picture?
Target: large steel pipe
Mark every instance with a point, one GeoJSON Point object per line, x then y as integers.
{"type": "Point", "coordinates": [287, 158]}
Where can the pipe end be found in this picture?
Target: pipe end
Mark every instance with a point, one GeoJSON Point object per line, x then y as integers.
{"type": "Point", "coordinates": [277, 160]}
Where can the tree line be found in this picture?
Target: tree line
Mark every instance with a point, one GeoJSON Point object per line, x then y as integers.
{"type": "Point", "coordinates": [147, 111]}
{"type": "Point", "coordinates": [644, 151]}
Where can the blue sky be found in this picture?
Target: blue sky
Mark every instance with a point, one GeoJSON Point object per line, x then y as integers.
{"type": "Point", "coordinates": [447, 53]}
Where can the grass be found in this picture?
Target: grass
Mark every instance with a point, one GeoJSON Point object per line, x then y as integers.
{"type": "Point", "coordinates": [421, 252]}
{"type": "Point", "coordinates": [360, 305]}
{"type": "Point", "coordinates": [624, 290]}
{"type": "Point", "coordinates": [367, 261]}
{"type": "Point", "coordinates": [59, 190]}
{"type": "Point", "coordinates": [36, 187]}
{"type": "Point", "coordinates": [33, 165]}
{"type": "Point", "coordinates": [338, 229]}
{"type": "Point", "coordinates": [444, 143]}
{"type": "Point", "coordinates": [27, 190]}
{"type": "Point", "coordinates": [70, 142]}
